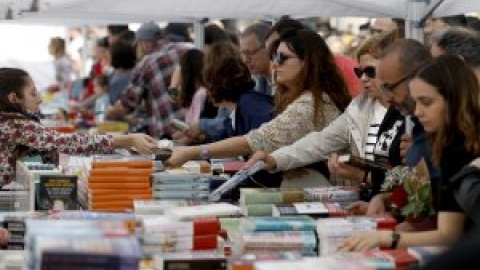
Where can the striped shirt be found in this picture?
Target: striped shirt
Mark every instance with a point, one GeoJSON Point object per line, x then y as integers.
{"type": "Point", "coordinates": [378, 113]}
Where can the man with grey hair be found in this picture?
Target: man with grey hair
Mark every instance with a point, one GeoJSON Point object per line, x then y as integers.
{"type": "Point", "coordinates": [255, 55]}
{"type": "Point", "coordinates": [458, 41]}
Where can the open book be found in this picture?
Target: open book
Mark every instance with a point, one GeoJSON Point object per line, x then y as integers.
{"type": "Point", "coordinates": [360, 162]}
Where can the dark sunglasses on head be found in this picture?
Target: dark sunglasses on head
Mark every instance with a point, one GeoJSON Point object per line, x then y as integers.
{"type": "Point", "coordinates": [280, 58]}
{"type": "Point", "coordinates": [368, 70]}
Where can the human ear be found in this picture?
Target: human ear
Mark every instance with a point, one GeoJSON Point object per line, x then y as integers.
{"type": "Point", "coordinates": [13, 98]}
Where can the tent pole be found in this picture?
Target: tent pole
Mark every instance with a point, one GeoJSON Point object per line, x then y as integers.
{"type": "Point", "coordinates": [199, 31]}
{"type": "Point", "coordinates": [413, 28]}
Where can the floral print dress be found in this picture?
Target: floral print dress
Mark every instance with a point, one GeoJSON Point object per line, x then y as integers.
{"type": "Point", "coordinates": [17, 131]}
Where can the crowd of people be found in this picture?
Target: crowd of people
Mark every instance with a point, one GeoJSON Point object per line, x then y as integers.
{"type": "Point", "coordinates": [278, 94]}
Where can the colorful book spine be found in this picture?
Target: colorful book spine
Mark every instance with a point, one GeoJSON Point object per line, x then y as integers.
{"type": "Point", "coordinates": [281, 240]}
{"type": "Point", "coordinates": [298, 223]}
{"type": "Point", "coordinates": [165, 225]}
{"type": "Point", "coordinates": [332, 194]}
{"type": "Point", "coordinates": [156, 243]}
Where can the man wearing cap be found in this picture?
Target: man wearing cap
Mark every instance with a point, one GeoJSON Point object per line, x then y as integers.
{"type": "Point", "coordinates": [150, 80]}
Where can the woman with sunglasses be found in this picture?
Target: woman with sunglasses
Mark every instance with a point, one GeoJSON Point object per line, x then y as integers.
{"type": "Point", "coordinates": [310, 94]}
{"type": "Point", "coordinates": [356, 129]}
{"type": "Point", "coordinates": [447, 96]}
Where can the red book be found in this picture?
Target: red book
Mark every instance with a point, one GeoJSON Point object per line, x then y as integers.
{"type": "Point", "coordinates": [203, 226]}
{"type": "Point", "coordinates": [401, 257]}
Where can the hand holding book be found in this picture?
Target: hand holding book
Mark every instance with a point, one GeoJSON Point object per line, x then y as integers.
{"type": "Point", "coordinates": [340, 167]}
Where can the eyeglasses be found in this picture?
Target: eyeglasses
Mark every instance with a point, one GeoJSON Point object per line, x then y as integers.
{"type": "Point", "coordinates": [249, 54]}
{"type": "Point", "coordinates": [280, 58]}
{"type": "Point", "coordinates": [368, 70]}
{"type": "Point", "coordinates": [389, 88]}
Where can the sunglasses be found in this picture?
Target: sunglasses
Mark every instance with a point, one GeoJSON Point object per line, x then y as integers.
{"type": "Point", "coordinates": [280, 58]}
{"type": "Point", "coordinates": [368, 70]}
{"type": "Point", "coordinates": [389, 88]}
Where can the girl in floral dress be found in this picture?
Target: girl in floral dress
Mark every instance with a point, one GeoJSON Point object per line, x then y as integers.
{"type": "Point", "coordinates": [22, 134]}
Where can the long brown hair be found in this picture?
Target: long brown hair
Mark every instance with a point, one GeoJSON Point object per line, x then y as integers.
{"type": "Point", "coordinates": [458, 85]}
{"type": "Point", "coordinates": [191, 70]}
{"type": "Point", "coordinates": [319, 73]}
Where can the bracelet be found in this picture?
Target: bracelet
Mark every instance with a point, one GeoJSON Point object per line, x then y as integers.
{"type": "Point", "coordinates": [395, 239]}
{"type": "Point", "coordinates": [203, 152]}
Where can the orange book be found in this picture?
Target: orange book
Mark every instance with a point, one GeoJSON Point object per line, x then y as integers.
{"type": "Point", "coordinates": [115, 197]}
{"type": "Point", "coordinates": [119, 185]}
{"type": "Point", "coordinates": [116, 191]}
{"type": "Point", "coordinates": [121, 172]}
{"type": "Point", "coordinates": [119, 204]}
{"type": "Point", "coordinates": [146, 164]}
{"type": "Point", "coordinates": [118, 179]}
{"type": "Point", "coordinates": [112, 209]}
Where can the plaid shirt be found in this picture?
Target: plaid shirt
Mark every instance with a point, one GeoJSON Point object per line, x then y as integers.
{"type": "Point", "coordinates": [150, 81]}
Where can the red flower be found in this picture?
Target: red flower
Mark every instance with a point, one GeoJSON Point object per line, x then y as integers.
{"type": "Point", "coordinates": [399, 197]}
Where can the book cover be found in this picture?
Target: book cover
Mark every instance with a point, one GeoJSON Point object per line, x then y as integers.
{"type": "Point", "coordinates": [360, 162]}
{"type": "Point", "coordinates": [54, 189]}
{"type": "Point", "coordinates": [199, 260]}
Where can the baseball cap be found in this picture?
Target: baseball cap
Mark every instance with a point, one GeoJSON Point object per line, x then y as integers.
{"type": "Point", "coordinates": [149, 31]}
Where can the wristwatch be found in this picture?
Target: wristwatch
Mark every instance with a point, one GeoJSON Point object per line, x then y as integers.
{"type": "Point", "coordinates": [395, 239]}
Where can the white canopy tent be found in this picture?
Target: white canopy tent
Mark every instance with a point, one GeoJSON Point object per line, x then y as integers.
{"type": "Point", "coordinates": [119, 11]}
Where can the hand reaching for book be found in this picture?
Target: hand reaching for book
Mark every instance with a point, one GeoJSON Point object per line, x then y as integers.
{"type": "Point", "coordinates": [363, 241]}
{"type": "Point", "coordinates": [180, 155]}
{"type": "Point", "coordinates": [141, 143]}
{"type": "Point", "coordinates": [376, 205]}
{"type": "Point", "coordinates": [270, 162]}
{"type": "Point", "coordinates": [344, 170]}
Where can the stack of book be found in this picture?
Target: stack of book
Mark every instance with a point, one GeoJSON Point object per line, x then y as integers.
{"type": "Point", "coordinates": [155, 207]}
{"type": "Point", "coordinates": [80, 244]}
{"type": "Point", "coordinates": [213, 260]}
{"type": "Point", "coordinates": [205, 210]}
{"type": "Point", "coordinates": [14, 200]}
{"type": "Point", "coordinates": [278, 234]}
{"type": "Point", "coordinates": [260, 202]}
{"type": "Point", "coordinates": [312, 209]}
{"type": "Point", "coordinates": [113, 184]}
{"type": "Point", "coordinates": [333, 231]}
{"type": "Point", "coordinates": [128, 219]}
{"type": "Point", "coordinates": [28, 180]}
{"type": "Point", "coordinates": [337, 194]}
{"type": "Point", "coordinates": [16, 227]}
{"type": "Point", "coordinates": [184, 186]}
{"type": "Point", "coordinates": [161, 234]}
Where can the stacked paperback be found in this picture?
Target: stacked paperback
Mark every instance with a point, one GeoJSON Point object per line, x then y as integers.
{"type": "Point", "coordinates": [278, 234]}
{"type": "Point", "coordinates": [161, 234]}
{"type": "Point", "coordinates": [333, 231]}
{"type": "Point", "coordinates": [114, 183]}
{"type": "Point", "coordinates": [183, 186]}
{"type": "Point", "coordinates": [80, 244]}
{"type": "Point", "coordinates": [260, 202]}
